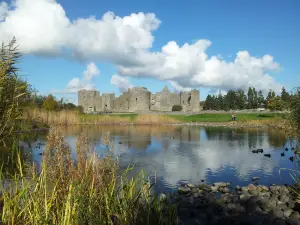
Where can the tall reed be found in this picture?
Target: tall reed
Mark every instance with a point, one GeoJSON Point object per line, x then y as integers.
{"type": "Point", "coordinates": [86, 191]}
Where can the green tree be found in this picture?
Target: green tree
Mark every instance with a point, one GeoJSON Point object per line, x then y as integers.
{"type": "Point", "coordinates": [276, 103]}
{"type": "Point", "coordinates": [285, 95]}
{"type": "Point", "coordinates": [231, 99]}
{"type": "Point", "coordinates": [219, 104]}
{"type": "Point", "coordinates": [255, 98]}
{"type": "Point", "coordinates": [295, 110]}
{"type": "Point", "coordinates": [250, 98]}
{"type": "Point", "coordinates": [260, 99]}
{"type": "Point", "coordinates": [50, 103]}
{"type": "Point", "coordinates": [241, 99]}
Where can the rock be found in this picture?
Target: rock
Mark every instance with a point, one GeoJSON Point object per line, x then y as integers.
{"type": "Point", "coordinates": [291, 221]}
{"type": "Point", "coordinates": [245, 189]}
{"type": "Point", "coordinates": [225, 190]}
{"type": "Point", "coordinates": [281, 205]}
{"type": "Point", "coordinates": [202, 186]}
{"type": "Point", "coordinates": [291, 204]}
{"type": "Point", "coordinates": [162, 197]}
{"type": "Point", "coordinates": [279, 221]}
{"type": "Point", "coordinates": [287, 212]}
{"type": "Point", "coordinates": [184, 190]}
{"type": "Point", "coordinates": [195, 195]}
{"type": "Point", "coordinates": [284, 198]}
{"type": "Point", "coordinates": [252, 187]}
{"type": "Point", "coordinates": [264, 205]}
{"type": "Point", "coordinates": [277, 213]}
{"type": "Point", "coordinates": [190, 185]}
{"type": "Point", "coordinates": [238, 188]}
{"type": "Point", "coordinates": [273, 189]}
{"type": "Point", "coordinates": [254, 192]}
{"type": "Point", "coordinates": [244, 197]}
{"type": "Point", "coordinates": [194, 190]}
{"type": "Point", "coordinates": [255, 178]}
{"type": "Point", "coordinates": [221, 184]}
{"type": "Point", "coordinates": [295, 215]}
{"type": "Point", "coordinates": [264, 188]}
{"type": "Point", "coordinates": [214, 188]}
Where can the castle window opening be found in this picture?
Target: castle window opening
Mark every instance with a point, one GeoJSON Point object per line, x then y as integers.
{"type": "Point", "coordinates": [189, 100]}
{"type": "Point", "coordinates": [136, 100]}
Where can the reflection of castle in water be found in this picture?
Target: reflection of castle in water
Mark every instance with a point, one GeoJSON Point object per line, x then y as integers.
{"type": "Point", "coordinates": [192, 153]}
{"type": "Point", "coordinates": [137, 137]}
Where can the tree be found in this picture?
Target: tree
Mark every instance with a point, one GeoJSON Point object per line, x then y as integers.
{"type": "Point", "coordinates": [255, 98]}
{"type": "Point", "coordinates": [231, 100]}
{"type": "Point", "coordinates": [285, 95]}
{"type": "Point", "coordinates": [241, 99]}
{"type": "Point", "coordinates": [208, 103]}
{"type": "Point", "coordinates": [50, 103]}
{"type": "Point", "coordinates": [271, 94]}
{"type": "Point", "coordinates": [276, 103]}
{"type": "Point", "coordinates": [295, 110]}
{"type": "Point", "coordinates": [250, 98]}
{"type": "Point", "coordinates": [260, 99]}
{"type": "Point", "coordinates": [219, 105]}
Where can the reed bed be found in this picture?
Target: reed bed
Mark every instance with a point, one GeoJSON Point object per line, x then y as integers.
{"type": "Point", "coordinates": [66, 117]}
{"type": "Point", "coordinates": [86, 191]}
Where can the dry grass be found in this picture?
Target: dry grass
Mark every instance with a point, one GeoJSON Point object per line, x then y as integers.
{"type": "Point", "coordinates": [65, 117]}
{"type": "Point", "coordinates": [88, 191]}
{"type": "Point", "coordinates": [72, 118]}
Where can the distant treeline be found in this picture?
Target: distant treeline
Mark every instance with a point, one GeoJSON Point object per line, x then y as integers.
{"type": "Point", "coordinates": [51, 103]}
{"type": "Point", "coordinates": [239, 100]}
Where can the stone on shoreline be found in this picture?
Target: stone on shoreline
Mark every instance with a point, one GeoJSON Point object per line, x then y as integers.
{"type": "Point", "coordinates": [251, 187]}
{"type": "Point", "coordinates": [251, 204]}
{"type": "Point", "coordinates": [184, 190]}
{"type": "Point", "coordinates": [221, 184]}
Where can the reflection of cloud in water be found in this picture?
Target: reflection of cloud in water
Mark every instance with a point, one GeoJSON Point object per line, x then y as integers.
{"type": "Point", "coordinates": [189, 153]}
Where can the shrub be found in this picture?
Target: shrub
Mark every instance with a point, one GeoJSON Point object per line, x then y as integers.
{"type": "Point", "coordinates": [177, 108]}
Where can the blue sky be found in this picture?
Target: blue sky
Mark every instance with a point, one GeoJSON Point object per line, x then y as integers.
{"type": "Point", "coordinates": [232, 26]}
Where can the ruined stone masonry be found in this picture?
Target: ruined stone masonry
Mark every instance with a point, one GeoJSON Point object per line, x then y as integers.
{"type": "Point", "coordinates": [139, 99]}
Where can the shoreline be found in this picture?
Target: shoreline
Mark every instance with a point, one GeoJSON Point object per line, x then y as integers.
{"type": "Point", "coordinates": [219, 203]}
{"type": "Point", "coordinates": [247, 124]}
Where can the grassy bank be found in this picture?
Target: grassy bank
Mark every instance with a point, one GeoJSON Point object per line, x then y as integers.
{"type": "Point", "coordinates": [88, 191]}
{"type": "Point", "coordinates": [73, 118]}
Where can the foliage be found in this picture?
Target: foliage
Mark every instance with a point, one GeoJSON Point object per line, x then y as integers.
{"type": "Point", "coordinates": [89, 191]}
{"type": "Point", "coordinates": [50, 103]}
{"type": "Point", "coordinates": [177, 108]}
{"type": "Point", "coordinates": [295, 111]}
{"type": "Point", "coordinates": [238, 100]}
{"type": "Point", "coordinates": [276, 104]}
{"type": "Point", "coordinates": [14, 92]}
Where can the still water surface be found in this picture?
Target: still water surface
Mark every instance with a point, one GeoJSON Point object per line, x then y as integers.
{"type": "Point", "coordinates": [189, 154]}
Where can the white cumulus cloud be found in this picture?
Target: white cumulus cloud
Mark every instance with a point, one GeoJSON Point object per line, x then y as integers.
{"type": "Point", "coordinates": [3, 10]}
{"type": "Point", "coordinates": [122, 83]}
{"type": "Point", "coordinates": [85, 82]}
{"type": "Point", "coordinates": [179, 88]}
{"type": "Point", "coordinates": [91, 71]}
{"type": "Point", "coordinates": [126, 42]}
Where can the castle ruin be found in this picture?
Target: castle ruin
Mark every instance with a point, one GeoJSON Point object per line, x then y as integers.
{"type": "Point", "coordinates": [139, 99]}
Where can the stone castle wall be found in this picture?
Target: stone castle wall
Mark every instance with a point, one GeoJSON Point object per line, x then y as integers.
{"type": "Point", "coordinates": [139, 99]}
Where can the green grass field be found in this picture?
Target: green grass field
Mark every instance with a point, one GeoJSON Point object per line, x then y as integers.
{"type": "Point", "coordinates": [214, 117]}
{"type": "Point", "coordinates": [204, 117]}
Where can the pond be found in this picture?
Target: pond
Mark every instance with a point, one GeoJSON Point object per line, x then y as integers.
{"type": "Point", "coordinates": [175, 154]}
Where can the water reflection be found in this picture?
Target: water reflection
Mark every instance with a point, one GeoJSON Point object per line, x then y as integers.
{"type": "Point", "coordinates": [187, 153]}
